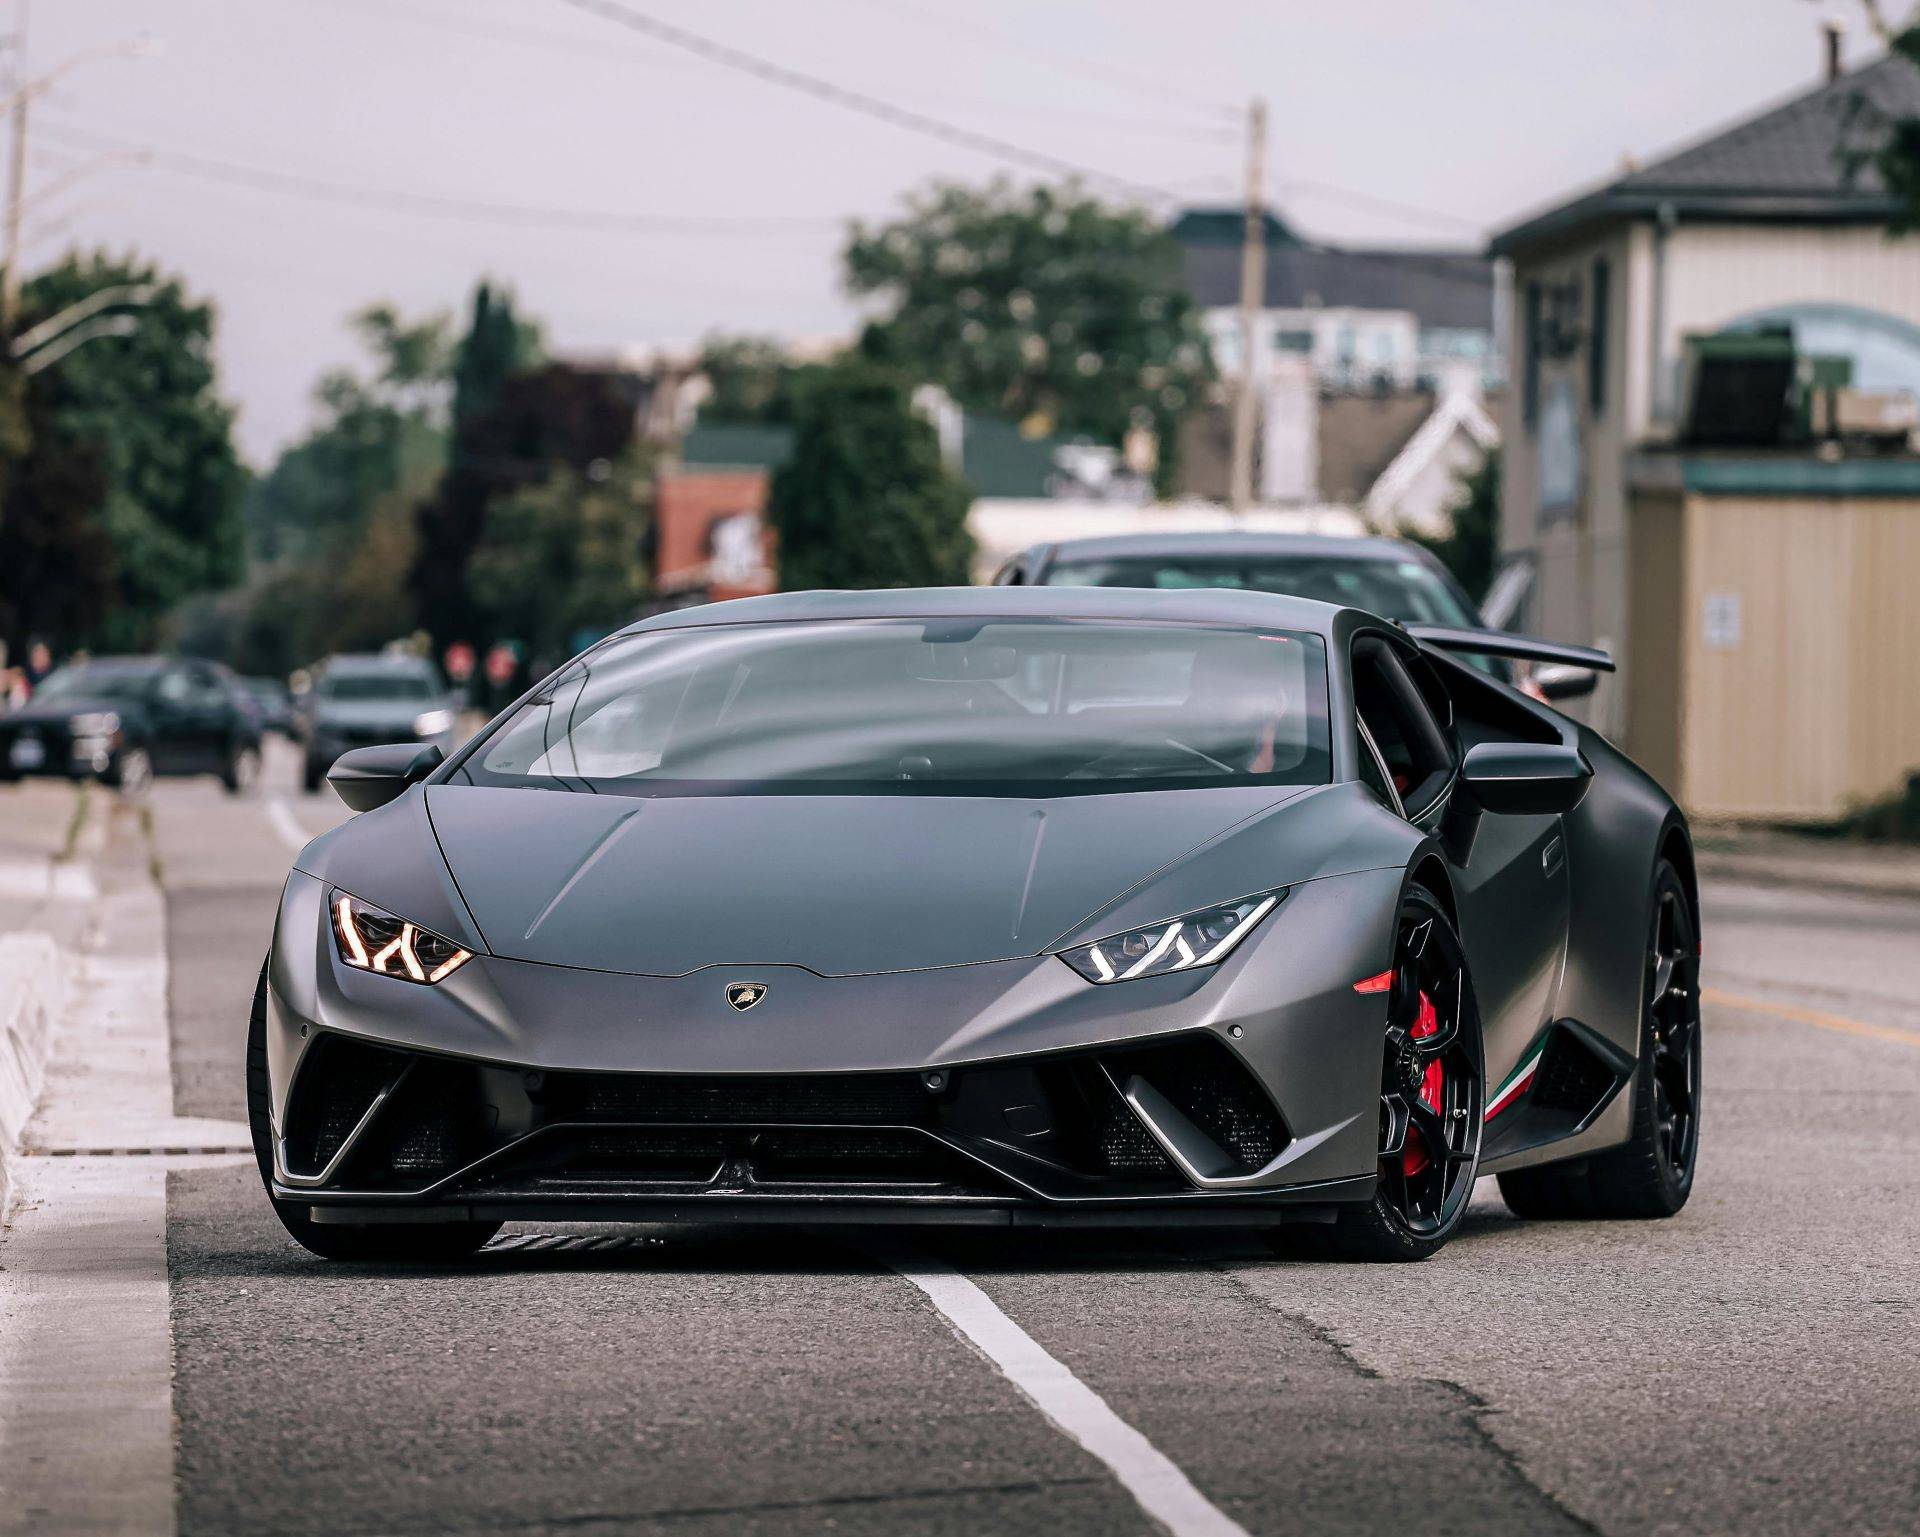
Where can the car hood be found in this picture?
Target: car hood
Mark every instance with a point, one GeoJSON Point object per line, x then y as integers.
{"type": "Point", "coordinates": [842, 885]}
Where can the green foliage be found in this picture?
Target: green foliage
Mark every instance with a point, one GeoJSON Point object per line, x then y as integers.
{"type": "Point", "coordinates": [866, 500]}
{"type": "Point", "coordinates": [564, 557]}
{"type": "Point", "coordinates": [331, 525]}
{"type": "Point", "coordinates": [1472, 549]}
{"type": "Point", "coordinates": [127, 497]}
{"type": "Point", "coordinates": [1043, 305]}
{"type": "Point", "coordinates": [1886, 142]}
{"type": "Point", "coordinates": [750, 379]}
{"type": "Point", "coordinates": [452, 521]}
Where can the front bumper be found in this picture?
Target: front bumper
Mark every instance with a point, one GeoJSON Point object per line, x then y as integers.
{"type": "Point", "coordinates": [1005, 1093]}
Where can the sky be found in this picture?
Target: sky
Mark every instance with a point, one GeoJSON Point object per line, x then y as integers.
{"type": "Point", "coordinates": [308, 157]}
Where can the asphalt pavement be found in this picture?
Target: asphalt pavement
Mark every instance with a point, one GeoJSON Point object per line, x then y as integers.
{"type": "Point", "coordinates": [1749, 1366]}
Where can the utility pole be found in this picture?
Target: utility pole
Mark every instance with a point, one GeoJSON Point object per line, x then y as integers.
{"type": "Point", "coordinates": [16, 175]}
{"type": "Point", "coordinates": [1253, 298]}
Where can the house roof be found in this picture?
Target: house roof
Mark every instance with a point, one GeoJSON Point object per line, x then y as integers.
{"type": "Point", "coordinates": [1783, 164]}
{"type": "Point", "coordinates": [1442, 288]}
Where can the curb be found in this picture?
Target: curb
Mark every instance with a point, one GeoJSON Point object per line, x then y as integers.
{"type": "Point", "coordinates": [1805, 877]}
{"type": "Point", "coordinates": [33, 992]}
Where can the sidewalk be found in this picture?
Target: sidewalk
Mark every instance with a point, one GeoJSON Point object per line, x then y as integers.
{"type": "Point", "coordinates": [48, 837]}
{"type": "Point", "coordinates": [1823, 864]}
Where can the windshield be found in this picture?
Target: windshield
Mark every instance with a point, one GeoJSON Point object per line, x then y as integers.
{"type": "Point", "coordinates": [123, 684]}
{"type": "Point", "coordinates": [923, 707]}
{"type": "Point", "coordinates": [371, 687]}
{"type": "Point", "coordinates": [1407, 590]}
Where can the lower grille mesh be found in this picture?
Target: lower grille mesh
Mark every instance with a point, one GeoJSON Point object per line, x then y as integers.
{"type": "Point", "coordinates": [849, 1099]}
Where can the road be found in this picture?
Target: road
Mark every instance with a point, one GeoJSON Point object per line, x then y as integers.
{"type": "Point", "coordinates": [1750, 1366]}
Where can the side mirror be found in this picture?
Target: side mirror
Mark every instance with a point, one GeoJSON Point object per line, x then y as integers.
{"type": "Point", "coordinates": [1557, 681]}
{"type": "Point", "coordinates": [1525, 778]}
{"type": "Point", "coordinates": [371, 776]}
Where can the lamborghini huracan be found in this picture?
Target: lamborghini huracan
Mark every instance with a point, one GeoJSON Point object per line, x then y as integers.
{"type": "Point", "coordinates": [1017, 906]}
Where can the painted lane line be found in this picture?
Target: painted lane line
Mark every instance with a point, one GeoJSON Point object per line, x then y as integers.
{"type": "Point", "coordinates": [1814, 1017]}
{"type": "Point", "coordinates": [1156, 1484]}
{"type": "Point", "coordinates": [285, 824]}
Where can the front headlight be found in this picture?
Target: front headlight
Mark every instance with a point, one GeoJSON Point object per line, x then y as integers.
{"type": "Point", "coordinates": [372, 939]}
{"type": "Point", "coordinates": [94, 723]}
{"type": "Point", "coordinates": [433, 722]}
{"type": "Point", "coordinates": [1180, 944]}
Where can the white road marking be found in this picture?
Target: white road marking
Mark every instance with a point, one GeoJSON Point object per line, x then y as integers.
{"type": "Point", "coordinates": [285, 823]}
{"type": "Point", "coordinates": [1165, 1493]}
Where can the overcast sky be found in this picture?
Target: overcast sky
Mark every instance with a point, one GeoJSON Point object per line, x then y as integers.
{"type": "Point", "coordinates": [1395, 121]}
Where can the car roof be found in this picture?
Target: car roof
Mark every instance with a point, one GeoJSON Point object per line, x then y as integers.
{"type": "Point", "coordinates": [1197, 605]}
{"type": "Point", "coordinates": [373, 661]}
{"type": "Point", "coordinates": [1229, 544]}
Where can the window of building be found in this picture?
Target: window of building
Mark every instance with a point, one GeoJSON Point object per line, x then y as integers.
{"type": "Point", "coordinates": [1598, 325]}
{"type": "Point", "coordinates": [1530, 339]}
{"type": "Point", "coordinates": [1293, 341]}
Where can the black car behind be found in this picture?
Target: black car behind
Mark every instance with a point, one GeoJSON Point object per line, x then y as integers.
{"type": "Point", "coordinates": [125, 719]}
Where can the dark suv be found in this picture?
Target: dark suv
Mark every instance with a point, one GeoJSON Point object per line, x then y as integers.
{"type": "Point", "coordinates": [124, 719]}
{"type": "Point", "coordinates": [367, 700]}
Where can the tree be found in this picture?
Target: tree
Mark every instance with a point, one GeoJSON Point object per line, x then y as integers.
{"type": "Point", "coordinates": [1874, 137]}
{"type": "Point", "coordinates": [866, 500]}
{"type": "Point", "coordinates": [749, 379]}
{"type": "Point", "coordinates": [1044, 305]}
{"type": "Point", "coordinates": [562, 562]}
{"type": "Point", "coordinates": [452, 521]}
{"type": "Point", "coordinates": [565, 511]}
{"type": "Point", "coordinates": [160, 513]}
{"type": "Point", "coordinates": [1472, 548]}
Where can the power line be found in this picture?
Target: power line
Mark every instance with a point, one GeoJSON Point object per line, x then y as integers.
{"type": "Point", "coordinates": [437, 205]}
{"type": "Point", "coordinates": [590, 48]}
{"type": "Point", "coordinates": [1074, 64]}
{"type": "Point", "coordinates": [1367, 200]}
{"type": "Point", "coordinates": [858, 101]}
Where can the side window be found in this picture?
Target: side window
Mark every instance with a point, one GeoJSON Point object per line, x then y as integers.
{"type": "Point", "coordinates": [174, 687]}
{"type": "Point", "coordinates": [1413, 747]}
{"type": "Point", "coordinates": [1373, 773]}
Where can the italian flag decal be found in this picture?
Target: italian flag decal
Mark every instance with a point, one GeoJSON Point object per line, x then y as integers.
{"type": "Point", "coordinates": [1515, 1085]}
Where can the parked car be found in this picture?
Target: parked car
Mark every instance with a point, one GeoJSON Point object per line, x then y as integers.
{"type": "Point", "coordinates": [1389, 577]}
{"type": "Point", "coordinates": [1026, 907]}
{"type": "Point", "coordinates": [273, 703]}
{"type": "Point", "coordinates": [125, 719]}
{"type": "Point", "coordinates": [369, 700]}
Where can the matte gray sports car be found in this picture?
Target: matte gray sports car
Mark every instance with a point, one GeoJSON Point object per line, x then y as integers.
{"type": "Point", "coordinates": [1010, 906]}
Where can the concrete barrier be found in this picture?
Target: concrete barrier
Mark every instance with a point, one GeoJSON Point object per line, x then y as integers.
{"type": "Point", "coordinates": [33, 991]}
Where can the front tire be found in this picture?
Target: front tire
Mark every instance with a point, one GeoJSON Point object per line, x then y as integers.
{"type": "Point", "coordinates": [1651, 1175]}
{"type": "Point", "coordinates": [402, 1242]}
{"type": "Point", "coordinates": [1431, 1097]}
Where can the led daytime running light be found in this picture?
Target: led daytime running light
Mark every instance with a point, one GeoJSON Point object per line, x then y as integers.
{"type": "Point", "coordinates": [1199, 939]}
{"type": "Point", "coordinates": [370, 939]}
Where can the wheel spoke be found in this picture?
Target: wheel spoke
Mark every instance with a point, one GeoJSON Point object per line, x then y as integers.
{"type": "Point", "coordinates": [1393, 1125]}
{"type": "Point", "coordinates": [1432, 1128]}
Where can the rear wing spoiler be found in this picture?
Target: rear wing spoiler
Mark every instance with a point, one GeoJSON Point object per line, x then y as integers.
{"type": "Point", "coordinates": [1517, 648]}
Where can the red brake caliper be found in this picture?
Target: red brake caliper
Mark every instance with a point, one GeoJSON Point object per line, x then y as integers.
{"type": "Point", "coordinates": [1413, 1157]}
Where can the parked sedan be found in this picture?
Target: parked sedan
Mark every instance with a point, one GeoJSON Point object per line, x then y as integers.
{"type": "Point", "coordinates": [1389, 577]}
{"type": "Point", "coordinates": [124, 719]}
{"type": "Point", "coordinates": [363, 700]}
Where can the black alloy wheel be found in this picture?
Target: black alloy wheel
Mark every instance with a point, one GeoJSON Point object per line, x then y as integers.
{"type": "Point", "coordinates": [1651, 1174]}
{"type": "Point", "coordinates": [1673, 1027]}
{"type": "Point", "coordinates": [1432, 1093]}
